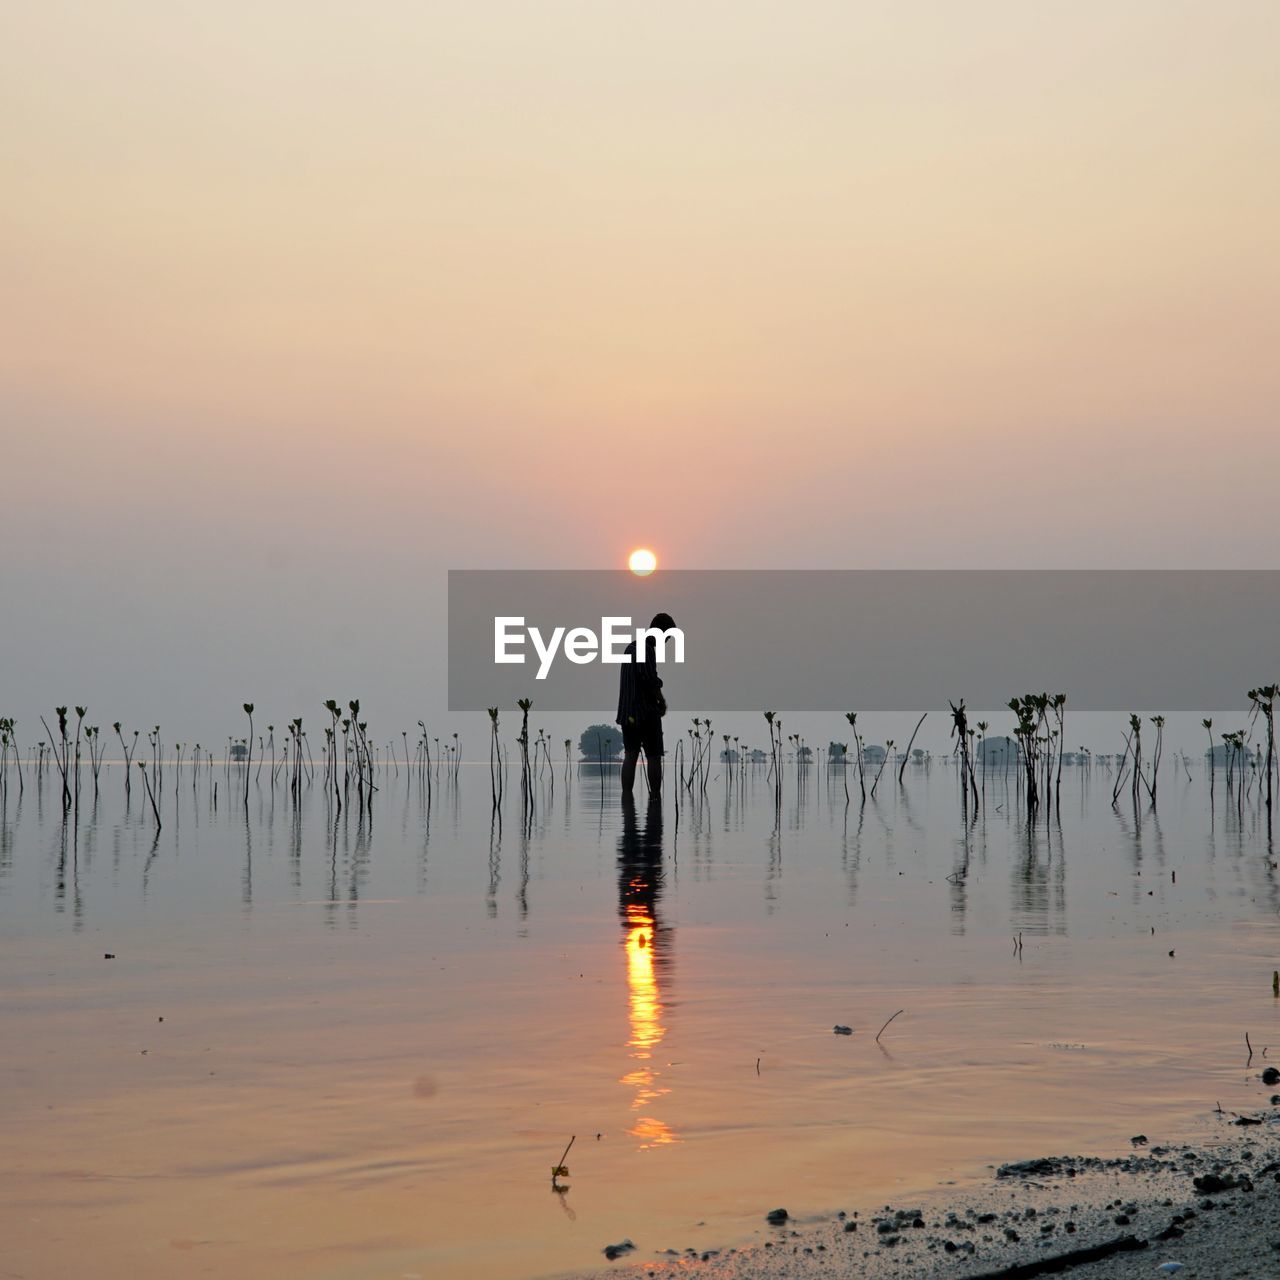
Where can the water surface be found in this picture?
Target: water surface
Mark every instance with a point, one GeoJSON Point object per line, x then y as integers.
{"type": "Point", "coordinates": [334, 1046]}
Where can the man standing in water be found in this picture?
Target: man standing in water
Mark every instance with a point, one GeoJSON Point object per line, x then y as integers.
{"type": "Point", "coordinates": [641, 707]}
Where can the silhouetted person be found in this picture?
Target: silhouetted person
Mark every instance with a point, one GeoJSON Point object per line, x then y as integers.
{"type": "Point", "coordinates": [641, 707]}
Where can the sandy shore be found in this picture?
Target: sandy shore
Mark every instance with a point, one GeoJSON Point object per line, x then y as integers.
{"type": "Point", "coordinates": [1213, 1209]}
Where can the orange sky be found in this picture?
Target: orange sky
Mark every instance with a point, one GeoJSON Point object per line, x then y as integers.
{"type": "Point", "coordinates": [531, 283]}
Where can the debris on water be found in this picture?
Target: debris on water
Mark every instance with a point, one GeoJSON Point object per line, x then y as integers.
{"type": "Point", "coordinates": [776, 1217]}
{"type": "Point", "coordinates": [841, 1030]}
{"type": "Point", "coordinates": [108, 955]}
{"type": "Point", "coordinates": [612, 1251]}
{"type": "Point", "coordinates": [1245, 1120]}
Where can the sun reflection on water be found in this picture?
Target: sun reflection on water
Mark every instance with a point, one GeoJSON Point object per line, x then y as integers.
{"type": "Point", "coordinates": [640, 872]}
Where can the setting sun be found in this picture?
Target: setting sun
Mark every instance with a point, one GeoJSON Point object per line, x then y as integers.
{"type": "Point", "coordinates": [642, 562]}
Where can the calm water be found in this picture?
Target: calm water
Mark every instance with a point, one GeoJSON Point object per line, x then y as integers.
{"type": "Point", "coordinates": [328, 1048]}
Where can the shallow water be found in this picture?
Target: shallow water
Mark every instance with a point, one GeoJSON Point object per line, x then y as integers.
{"type": "Point", "coordinates": [336, 1048]}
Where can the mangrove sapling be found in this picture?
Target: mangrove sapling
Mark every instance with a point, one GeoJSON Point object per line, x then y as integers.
{"type": "Point", "coordinates": [248, 759]}
{"type": "Point", "coordinates": [884, 760]}
{"type": "Point", "coordinates": [331, 706]}
{"type": "Point", "coordinates": [1033, 735]}
{"type": "Point", "coordinates": [526, 781]}
{"type": "Point", "coordinates": [9, 739]}
{"type": "Point", "coordinates": [93, 738]}
{"type": "Point", "coordinates": [80, 715]}
{"type": "Point", "coordinates": [60, 758]}
{"type": "Point", "coordinates": [960, 731]}
{"type": "Point", "coordinates": [128, 754]}
{"type": "Point", "coordinates": [151, 795]}
{"type": "Point", "coordinates": [695, 752]}
{"type": "Point", "coordinates": [852, 718]}
{"type": "Point", "coordinates": [1264, 704]}
{"type": "Point", "coordinates": [495, 748]}
{"type": "Point", "coordinates": [1059, 704]}
{"type": "Point", "coordinates": [1135, 736]}
{"type": "Point", "coordinates": [1121, 772]}
{"type": "Point", "coordinates": [549, 763]}
{"type": "Point", "coordinates": [1156, 753]}
{"type": "Point", "coordinates": [910, 743]}
{"type": "Point", "coordinates": [1230, 743]}
{"type": "Point", "coordinates": [1208, 728]}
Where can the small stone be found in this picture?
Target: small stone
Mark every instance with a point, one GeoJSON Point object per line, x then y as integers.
{"type": "Point", "coordinates": [840, 1030]}
{"type": "Point", "coordinates": [1271, 1076]}
{"type": "Point", "coordinates": [776, 1217]}
{"type": "Point", "coordinates": [1212, 1184]}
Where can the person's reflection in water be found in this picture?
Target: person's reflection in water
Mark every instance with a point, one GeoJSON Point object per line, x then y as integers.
{"type": "Point", "coordinates": [647, 945]}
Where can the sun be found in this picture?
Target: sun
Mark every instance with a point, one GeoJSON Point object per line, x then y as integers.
{"type": "Point", "coordinates": [642, 562]}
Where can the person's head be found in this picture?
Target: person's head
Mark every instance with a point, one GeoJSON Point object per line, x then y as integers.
{"type": "Point", "coordinates": [662, 622]}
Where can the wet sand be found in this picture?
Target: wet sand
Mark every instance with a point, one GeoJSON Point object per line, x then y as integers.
{"type": "Point", "coordinates": [1209, 1211]}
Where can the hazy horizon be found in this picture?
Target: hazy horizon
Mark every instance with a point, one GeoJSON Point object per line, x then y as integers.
{"type": "Point", "coordinates": [306, 305]}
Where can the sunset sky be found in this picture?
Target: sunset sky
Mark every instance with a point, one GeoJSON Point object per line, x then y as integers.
{"type": "Point", "coordinates": [305, 303]}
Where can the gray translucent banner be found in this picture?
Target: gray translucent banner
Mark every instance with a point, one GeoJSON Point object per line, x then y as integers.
{"type": "Point", "coordinates": [883, 640]}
